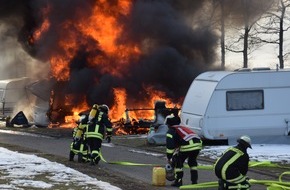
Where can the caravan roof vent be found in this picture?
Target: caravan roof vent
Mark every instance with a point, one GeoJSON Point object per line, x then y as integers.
{"type": "Point", "coordinates": [261, 68]}
{"type": "Point", "coordinates": [242, 70]}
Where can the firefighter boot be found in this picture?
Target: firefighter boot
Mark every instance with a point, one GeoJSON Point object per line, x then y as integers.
{"type": "Point", "coordinates": [178, 179]}
{"type": "Point", "coordinates": [97, 159]}
{"type": "Point", "coordinates": [194, 176]}
{"type": "Point", "coordinates": [177, 183]}
{"type": "Point", "coordinates": [92, 162]}
{"type": "Point", "coordinates": [80, 157]}
{"type": "Point", "coordinates": [222, 185]}
{"type": "Point", "coordinates": [71, 156]}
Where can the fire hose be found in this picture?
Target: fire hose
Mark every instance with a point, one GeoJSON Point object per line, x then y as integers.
{"type": "Point", "coordinates": [271, 184]}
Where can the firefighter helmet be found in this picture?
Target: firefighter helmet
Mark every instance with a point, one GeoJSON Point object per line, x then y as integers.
{"type": "Point", "coordinates": [172, 120]}
{"type": "Point", "coordinates": [245, 140]}
{"type": "Point", "coordinates": [95, 106]}
{"type": "Point", "coordinates": [104, 108]}
{"type": "Point", "coordinates": [82, 117]}
{"type": "Point", "coordinates": [167, 119]}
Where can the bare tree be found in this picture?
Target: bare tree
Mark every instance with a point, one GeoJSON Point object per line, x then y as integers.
{"type": "Point", "coordinates": [223, 51]}
{"type": "Point", "coordinates": [251, 12]}
{"type": "Point", "coordinates": [272, 26]}
{"type": "Point", "coordinates": [217, 20]}
{"type": "Point", "coordinates": [234, 22]}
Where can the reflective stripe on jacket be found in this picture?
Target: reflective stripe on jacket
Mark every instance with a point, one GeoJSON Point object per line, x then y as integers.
{"type": "Point", "coordinates": [233, 165]}
{"type": "Point", "coordinates": [96, 129]}
{"type": "Point", "coordinates": [174, 141]}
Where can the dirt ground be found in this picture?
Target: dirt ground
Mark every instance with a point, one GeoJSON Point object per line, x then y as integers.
{"type": "Point", "coordinates": [97, 172]}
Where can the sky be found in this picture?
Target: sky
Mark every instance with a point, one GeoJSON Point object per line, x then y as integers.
{"type": "Point", "coordinates": [21, 171]}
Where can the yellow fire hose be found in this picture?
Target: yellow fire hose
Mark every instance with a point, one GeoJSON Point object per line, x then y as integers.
{"type": "Point", "coordinates": [271, 184]}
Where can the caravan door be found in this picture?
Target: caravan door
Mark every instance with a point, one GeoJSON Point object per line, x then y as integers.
{"type": "Point", "coordinates": [195, 104]}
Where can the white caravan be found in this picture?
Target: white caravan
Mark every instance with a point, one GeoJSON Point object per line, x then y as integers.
{"type": "Point", "coordinates": [12, 91]}
{"type": "Point", "coordinates": [220, 105]}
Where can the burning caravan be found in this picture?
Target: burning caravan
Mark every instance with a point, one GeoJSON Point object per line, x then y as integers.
{"type": "Point", "coordinates": [12, 91]}
{"type": "Point", "coordinates": [222, 105]}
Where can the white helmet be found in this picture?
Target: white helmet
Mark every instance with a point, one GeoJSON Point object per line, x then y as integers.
{"type": "Point", "coordinates": [245, 140]}
{"type": "Point", "coordinates": [82, 117]}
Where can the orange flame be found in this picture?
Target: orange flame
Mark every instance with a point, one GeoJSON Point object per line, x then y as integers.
{"type": "Point", "coordinates": [104, 28]}
{"type": "Point", "coordinates": [120, 104]}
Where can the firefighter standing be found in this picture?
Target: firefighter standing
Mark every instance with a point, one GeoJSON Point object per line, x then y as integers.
{"type": "Point", "coordinates": [232, 167]}
{"type": "Point", "coordinates": [98, 127]}
{"type": "Point", "coordinates": [186, 149]}
{"type": "Point", "coordinates": [78, 146]}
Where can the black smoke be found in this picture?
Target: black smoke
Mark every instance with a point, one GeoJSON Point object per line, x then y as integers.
{"type": "Point", "coordinates": [174, 52]}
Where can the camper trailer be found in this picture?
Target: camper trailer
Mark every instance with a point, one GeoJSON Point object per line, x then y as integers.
{"type": "Point", "coordinates": [12, 91]}
{"type": "Point", "coordinates": [220, 105]}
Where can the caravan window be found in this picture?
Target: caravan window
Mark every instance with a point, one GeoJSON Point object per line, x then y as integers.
{"type": "Point", "coordinates": [245, 100]}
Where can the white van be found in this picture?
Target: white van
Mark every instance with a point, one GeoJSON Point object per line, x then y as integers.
{"type": "Point", "coordinates": [227, 104]}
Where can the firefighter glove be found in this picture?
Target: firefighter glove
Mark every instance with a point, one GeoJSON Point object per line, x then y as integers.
{"type": "Point", "coordinates": [76, 139]}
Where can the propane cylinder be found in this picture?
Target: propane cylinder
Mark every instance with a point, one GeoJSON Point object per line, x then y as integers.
{"type": "Point", "coordinates": [169, 172]}
{"type": "Point", "coordinates": [158, 176]}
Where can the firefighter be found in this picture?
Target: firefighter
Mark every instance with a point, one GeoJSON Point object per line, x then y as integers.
{"type": "Point", "coordinates": [98, 127]}
{"type": "Point", "coordinates": [179, 148]}
{"type": "Point", "coordinates": [79, 146]}
{"type": "Point", "coordinates": [232, 167]}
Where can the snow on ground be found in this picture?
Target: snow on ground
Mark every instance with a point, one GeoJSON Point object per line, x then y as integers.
{"type": "Point", "coordinates": [278, 153]}
{"type": "Point", "coordinates": [23, 171]}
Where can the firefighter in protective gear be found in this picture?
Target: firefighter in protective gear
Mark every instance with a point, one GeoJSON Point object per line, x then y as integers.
{"type": "Point", "coordinates": [186, 149]}
{"type": "Point", "coordinates": [97, 129]}
{"type": "Point", "coordinates": [79, 146]}
{"type": "Point", "coordinates": [232, 167]}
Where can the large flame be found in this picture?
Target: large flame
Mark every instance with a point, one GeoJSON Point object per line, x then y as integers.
{"type": "Point", "coordinates": [102, 27]}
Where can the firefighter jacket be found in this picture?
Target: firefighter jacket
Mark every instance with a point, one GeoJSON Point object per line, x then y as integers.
{"type": "Point", "coordinates": [100, 126]}
{"type": "Point", "coordinates": [233, 165]}
{"type": "Point", "coordinates": [175, 141]}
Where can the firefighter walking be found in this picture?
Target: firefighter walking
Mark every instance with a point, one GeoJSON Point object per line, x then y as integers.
{"type": "Point", "coordinates": [78, 146]}
{"type": "Point", "coordinates": [232, 167]}
{"type": "Point", "coordinates": [99, 126]}
{"type": "Point", "coordinates": [187, 144]}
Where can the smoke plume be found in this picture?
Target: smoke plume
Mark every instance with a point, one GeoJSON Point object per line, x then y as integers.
{"type": "Point", "coordinates": [172, 52]}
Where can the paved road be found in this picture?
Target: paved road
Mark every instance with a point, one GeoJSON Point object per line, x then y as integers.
{"type": "Point", "coordinates": [113, 152]}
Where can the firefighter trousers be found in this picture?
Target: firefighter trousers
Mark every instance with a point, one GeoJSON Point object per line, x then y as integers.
{"type": "Point", "coordinates": [191, 157]}
{"type": "Point", "coordinates": [94, 145]}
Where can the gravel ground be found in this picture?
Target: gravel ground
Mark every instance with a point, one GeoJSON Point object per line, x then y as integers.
{"type": "Point", "coordinates": [98, 172]}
